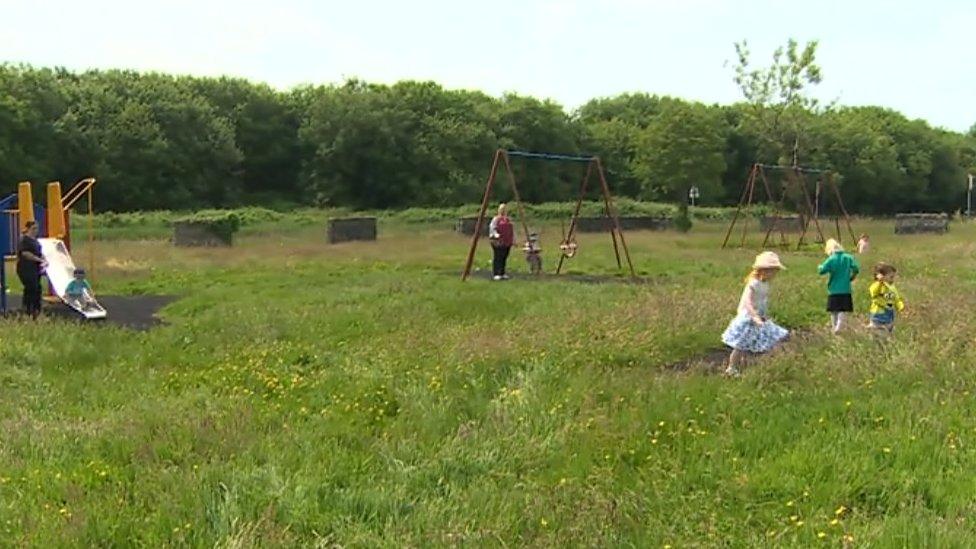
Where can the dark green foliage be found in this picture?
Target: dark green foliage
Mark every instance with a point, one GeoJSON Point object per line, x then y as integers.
{"type": "Point", "coordinates": [161, 142]}
{"type": "Point", "coordinates": [682, 221]}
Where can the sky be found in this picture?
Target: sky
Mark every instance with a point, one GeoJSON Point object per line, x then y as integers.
{"type": "Point", "coordinates": [916, 57]}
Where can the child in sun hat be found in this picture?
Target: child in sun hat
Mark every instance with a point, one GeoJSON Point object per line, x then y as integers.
{"type": "Point", "coordinates": [842, 269]}
{"type": "Point", "coordinates": [751, 331]}
{"type": "Point", "coordinates": [885, 298]}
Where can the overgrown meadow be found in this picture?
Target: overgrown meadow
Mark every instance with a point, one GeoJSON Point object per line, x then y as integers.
{"type": "Point", "coordinates": [360, 395]}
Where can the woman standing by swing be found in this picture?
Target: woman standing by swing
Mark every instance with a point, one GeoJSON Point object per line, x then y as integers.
{"type": "Point", "coordinates": [501, 233]}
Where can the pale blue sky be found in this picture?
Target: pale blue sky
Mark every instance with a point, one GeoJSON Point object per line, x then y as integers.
{"type": "Point", "coordinates": [915, 57]}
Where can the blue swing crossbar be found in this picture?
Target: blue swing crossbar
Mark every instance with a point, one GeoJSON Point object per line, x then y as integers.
{"type": "Point", "coordinates": [549, 156]}
{"type": "Point", "coordinates": [800, 169]}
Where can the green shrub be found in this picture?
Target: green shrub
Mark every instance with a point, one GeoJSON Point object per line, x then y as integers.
{"type": "Point", "coordinates": [222, 223]}
{"type": "Point", "coordinates": [682, 221]}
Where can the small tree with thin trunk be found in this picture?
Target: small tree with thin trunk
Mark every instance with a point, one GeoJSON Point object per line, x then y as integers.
{"type": "Point", "coordinates": [779, 105]}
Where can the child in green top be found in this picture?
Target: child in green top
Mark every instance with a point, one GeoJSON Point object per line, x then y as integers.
{"type": "Point", "coordinates": [842, 269]}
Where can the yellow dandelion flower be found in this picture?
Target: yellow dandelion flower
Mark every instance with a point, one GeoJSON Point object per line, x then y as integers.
{"type": "Point", "coordinates": [840, 510]}
{"type": "Point", "coordinates": [821, 535]}
{"type": "Point", "coordinates": [789, 503]}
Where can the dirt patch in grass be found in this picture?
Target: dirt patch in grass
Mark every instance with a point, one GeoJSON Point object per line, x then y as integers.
{"type": "Point", "coordinates": [715, 359]}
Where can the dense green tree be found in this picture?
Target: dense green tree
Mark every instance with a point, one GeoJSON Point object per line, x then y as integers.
{"type": "Point", "coordinates": [157, 141]}
{"type": "Point", "coordinates": [683, 146]}
{"type": "Point", "coordinates": [265, 124]}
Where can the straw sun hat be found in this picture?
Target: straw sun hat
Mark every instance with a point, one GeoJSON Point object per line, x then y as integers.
{"type": "Point", "coordinates": [767, 260]}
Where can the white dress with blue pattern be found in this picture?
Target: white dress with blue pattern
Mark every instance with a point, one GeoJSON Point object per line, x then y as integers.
{"type": "Point", "coordinates": [745, 335]}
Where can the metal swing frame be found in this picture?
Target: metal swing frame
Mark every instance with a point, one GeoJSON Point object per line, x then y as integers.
{"type": "Point", "coordinates": [808, 210]}
{"type": "Point", "coordinates": [593, 164]}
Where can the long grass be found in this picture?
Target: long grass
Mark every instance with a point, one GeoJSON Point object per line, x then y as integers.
{"type": "Point", "coordinates": [304, 394]}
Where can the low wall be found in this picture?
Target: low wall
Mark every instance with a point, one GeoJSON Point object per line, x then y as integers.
{"type": "Point", "coordinates": [351, 228]}
{"type": "Point", "coordinates": [783, 223]}
{"type": "Point", "coordinates": [921, 223]}
{"type": "Point", "coordinates": [630, 223]}
{"type": "Point", "coordinates": [191, 234]}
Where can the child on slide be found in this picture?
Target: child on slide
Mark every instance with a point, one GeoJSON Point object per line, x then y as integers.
{"type": "Point", "coordinates": [842, 269]}
{"type": "Point", "coordinates": [79, 291]}
{"type": "Point", "coordinates": [752, 331]}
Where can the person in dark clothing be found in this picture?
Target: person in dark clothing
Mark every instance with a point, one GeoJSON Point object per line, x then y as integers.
{"type": "Point", "coordinates": [30, 265]}
{"type": "Point", "coordinates": [501, 233]}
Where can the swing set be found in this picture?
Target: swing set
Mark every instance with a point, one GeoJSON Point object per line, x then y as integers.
{"type": "Point", "coordinates": [794, 188]}
{"type": "Point", "coordinates": [568, 246]}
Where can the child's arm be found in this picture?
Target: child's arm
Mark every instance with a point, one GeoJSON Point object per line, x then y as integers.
{"type": "Point", "coordinates": [824, 267]}
{"type": "Point", "coordinates": [875, 289]}
{"type": "Point", "coordinates": [899, 302]}
{"type": "Point", "coordinates": [855, 268]}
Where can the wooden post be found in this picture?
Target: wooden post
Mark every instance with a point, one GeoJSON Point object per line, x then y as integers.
{"type": "Point", "coordinates": [738, 209]}
{"type": "Point", "coordinates": [576, 210]}
{"type": "Point", "coordinates": [518, 199]}
{"type": "Point", "coordinates": [481, 216]}
{"type": "Point", "coordinates": [613, 213]}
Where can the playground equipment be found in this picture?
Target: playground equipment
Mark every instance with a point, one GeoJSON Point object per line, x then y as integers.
{"type": "Point", "coordinates": [55, 235]}
{"type": "Point", "coordinates": [568, 246]}
{"type": "Point", "coordinates": [794, 188]}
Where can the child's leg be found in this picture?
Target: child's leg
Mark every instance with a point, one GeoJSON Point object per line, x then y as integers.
{"type": "Point", "coordinates": [833, 321]}
{"type": "Point", "coordinates": [840, 322]}
{"type": "Point", "coordinates": [736, 357]}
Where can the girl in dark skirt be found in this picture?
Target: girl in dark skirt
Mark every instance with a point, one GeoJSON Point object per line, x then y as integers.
{"type": "Point", "coordinates": [842, 269]}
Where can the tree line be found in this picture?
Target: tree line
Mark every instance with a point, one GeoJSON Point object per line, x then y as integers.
{"type": "Point", "coordinates": [158, 141]}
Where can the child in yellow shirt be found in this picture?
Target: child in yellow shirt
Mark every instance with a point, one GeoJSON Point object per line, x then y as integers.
{"type": "Point", "coordinates": [885, 299]}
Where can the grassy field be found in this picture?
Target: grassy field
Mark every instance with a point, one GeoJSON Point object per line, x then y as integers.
{"type": "Point", "coordinates": [359, 395]}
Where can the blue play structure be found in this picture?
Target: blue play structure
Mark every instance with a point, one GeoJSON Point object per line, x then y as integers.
{"type": "Point", "coordinates": [10, 236]}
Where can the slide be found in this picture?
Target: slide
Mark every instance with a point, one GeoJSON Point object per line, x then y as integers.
{"type": "Point", "coordinates": [61, 271]}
